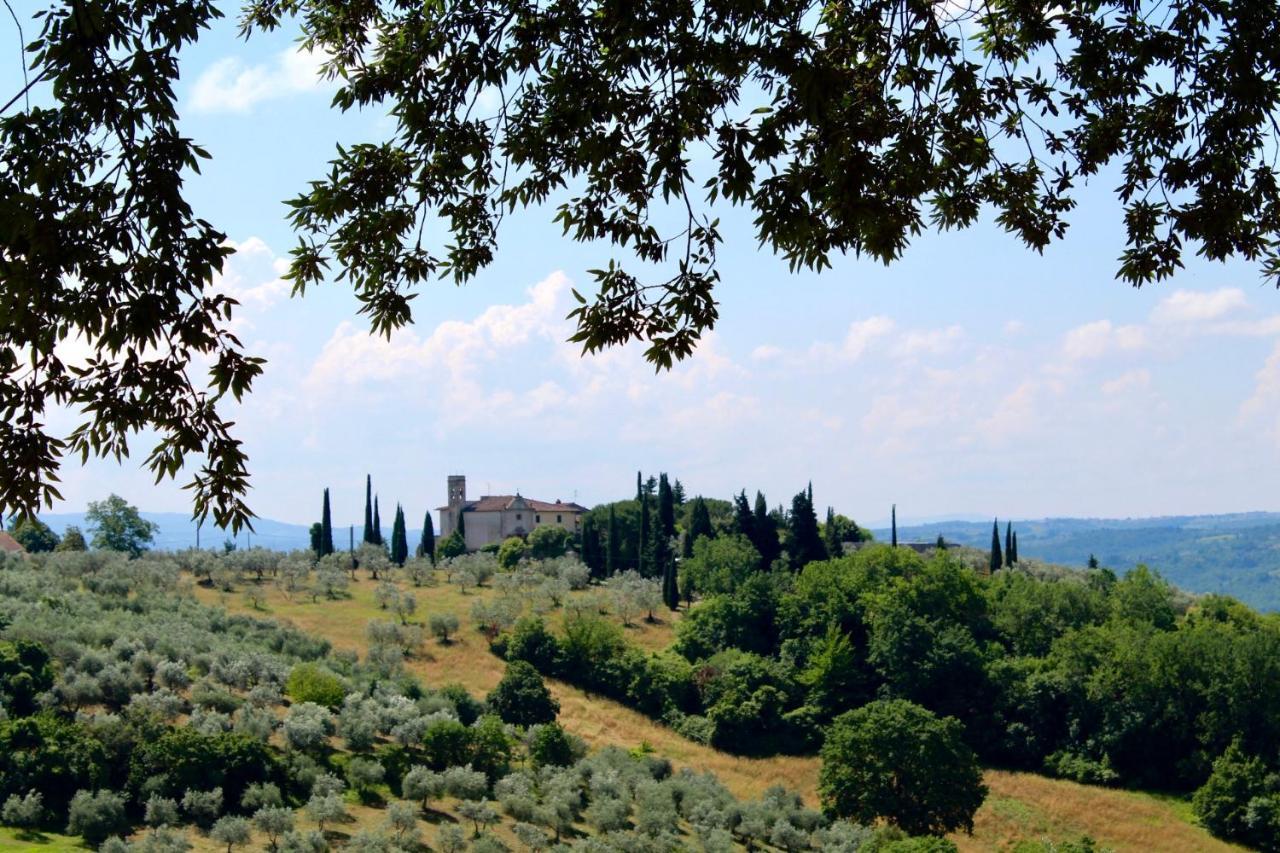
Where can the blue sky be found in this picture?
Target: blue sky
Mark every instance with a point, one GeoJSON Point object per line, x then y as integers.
{"type": "Point", "coordinates": [973, 377]}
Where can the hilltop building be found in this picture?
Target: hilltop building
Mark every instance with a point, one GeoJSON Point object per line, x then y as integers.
{"type": "Point", "coordinates": [10, 545]}
{"type": "Point", "coordinates": [493, 518]}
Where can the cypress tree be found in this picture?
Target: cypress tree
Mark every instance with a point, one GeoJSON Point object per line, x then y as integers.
{"type": "Point", "coordinates": [941, 544]}
{"type": "Point", "coordinates": [1008, 543]}
{"type": "Point", "coordinates": [835, 547]}
{"type": "Point", "coordinates": [377, 523]}
{"type": "Point", "coordinates": [743, 521]}
{"type": "Point", "coordinates": [462, 522]}
{"type": "Point", "coordinates": [1014, 559]}
{"type": "Point", "coordinates": [368, 508]}
{"type": "Point", "coordinates": [893, 522]}
{"type": "Point", "coordinates": [664, 564]}
{"type": "Point", "coordinates": [677, 492]}
{"type": "Point", "coordinates": [666, 507]}
{"type": "Point", "coordinates": [805, 543]}
{"type": "Point", "coordinates": [399, 538]}
{"type": "Point", "coordinates": [611, 554]}
{"type": "Point", "coordinates": [699, 525]}
{"type": "Point", "coordinates": [997, 559]}
{"type": "Point", "coordinates": [427, 545]}
{"type": "Point", "coordinates": [766, 527]}
{"type": "Point", "coordinates": [591, 555]}
{"type": "Point", "coordinates": [326, 527]}
{"type": "Point", "coordinates": [644, 549]}
{"type": "Point", "coordinates": [315, 539]}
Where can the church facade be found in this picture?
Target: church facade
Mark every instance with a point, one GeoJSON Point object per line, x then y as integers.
{"type": "Point", "coordinates": [494, 518]}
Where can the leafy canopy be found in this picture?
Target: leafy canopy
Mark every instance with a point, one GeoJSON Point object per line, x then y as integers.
{"type": "Point", "coordinates": [841, 127]}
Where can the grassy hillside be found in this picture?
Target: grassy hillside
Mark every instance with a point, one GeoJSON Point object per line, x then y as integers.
{"type": "Point", "coordinates": [1022, 809]}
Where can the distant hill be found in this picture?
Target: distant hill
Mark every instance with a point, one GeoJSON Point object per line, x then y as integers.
{"type": "Point", "coordinates": [178, 531]}
{"type": "Point", "coordinates": [1237, 554]}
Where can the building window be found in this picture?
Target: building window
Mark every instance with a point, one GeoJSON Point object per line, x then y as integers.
{"type": "Point", "coordinates": [559, 519]}
{"type": "Point", "coordinates": [519, 516]}
{"type": "Point", "coordinates": [537, 519]}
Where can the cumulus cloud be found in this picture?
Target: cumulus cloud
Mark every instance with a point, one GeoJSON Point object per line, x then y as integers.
{"type": "Point", "coordinates": [862, 335]}
{"type": "Point", "coordinates": [1191, 306]}
{"type": "Point", "coordinates": [1100, 338]}
{"type": "Point", "coordinates": [1265, 399]}
{"type": "Point", "coordinates": [930, 341]}
{"type": "Point", "coordinates": [1125, 383]}
{"type": "Point", "coordinates": [231, 85]}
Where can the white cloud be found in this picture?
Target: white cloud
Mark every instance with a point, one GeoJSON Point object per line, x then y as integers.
{"type": "Point", "coordinates": [930, 341]}
{"type": "Point", "coordinates": [765, 352]}
{"type": "Point", "coordinates": [1125, 383]}
{"type": "Point", "coordinates": [1100, 338]}
{"type": "Point", "coordinates": [861, 336]}
{"type": "Point", "coordinates": [253, 276]}
{"type": "Point", "coordinates": [1190, 306]}
{"type": "Point", "coordinates": [1265, 399]}
{"type": "Point", "coordinates": [1014, 327]}
{"type": "Point", "coordinates": [453, 351]}
{"type": "Point", "coordinates": [229, 85]}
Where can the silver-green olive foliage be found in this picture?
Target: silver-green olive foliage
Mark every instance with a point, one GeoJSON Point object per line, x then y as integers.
{"type": "Point", "coordinates": [842, 127]}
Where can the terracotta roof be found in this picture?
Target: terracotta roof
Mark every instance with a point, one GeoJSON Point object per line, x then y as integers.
{"type": "Point", "coordinates": [497, 503]}
{"type": "Point", "coordinates": [8, 543]}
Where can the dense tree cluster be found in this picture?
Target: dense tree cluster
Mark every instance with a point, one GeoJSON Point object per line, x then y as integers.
{"type": "Point", "coordinates": [1085, 675]}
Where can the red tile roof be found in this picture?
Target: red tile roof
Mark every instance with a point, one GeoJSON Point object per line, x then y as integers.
{"type": "Point", "coordinates": [497, 503]}
{"type": "Point", "coordinates": [8, 543]}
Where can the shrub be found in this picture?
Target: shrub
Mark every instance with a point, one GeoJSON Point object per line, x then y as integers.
{"type": "Point", "coordinates": [897, 761]}
{"type": "Point", "coordinates": [443, 625]}
{"type": "Point", "coordinates": [549, 745]}
{"type": "Point", "coordinates": [309, 682]}
{"type": "Point", "coordinates": [96, 816]}
{"type": "Point", "coordinates": [1240, 801]}
{"type": "Point", "coordinates": [513, 550]}
{"type": "Point", "coordinates": [232, 831]}
{"type": "Point", "coordinates": [25, 812]}
{"type": "Point", "coordinates": [521, 698]}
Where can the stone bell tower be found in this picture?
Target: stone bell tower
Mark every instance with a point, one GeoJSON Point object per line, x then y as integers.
{"type": "Point", "coordinates": [457, 490]}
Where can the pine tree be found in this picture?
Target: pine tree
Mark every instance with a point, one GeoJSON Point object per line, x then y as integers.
{"type": "Point", "coordinates": [591, 555]}
{"type": "Point", "coordinates": [677, 492]}
{"type": "Point", "coordinates": [1093, 562]}
{"type": "Point", "coordinates": [835, 547]}
{"type": "Point", "coordinates": [326, 527]}
{"type": "Point", "coordinates": [766, 527]}
{"type": "Point", "coordinates": [427, 545]}
{"type": "Point", "coordinates": [699, 525]}
{"type": "Point", "coordinates": [611, 554]}
{"type": "Point", "coordinates": [941, 544]}
{"type": "Point", "coordinates": [1014, 559]}
{"type": "Point", "coordinates": [666, 507]}
{"type": "Point", "coordinates": [893, 522]}
{"type": "Point", "coordinates": [1008, 543]}
{"type": "Point", "coordinates": [805, 543]}
{"type": "Point", "coordinates": [377, 523]}
{"type": "Point", "coordinates": [399, 538]}
{"type": "Point", "coordinates": [368, 508]}
{"type": "Point", "coordinates": [997, 559]}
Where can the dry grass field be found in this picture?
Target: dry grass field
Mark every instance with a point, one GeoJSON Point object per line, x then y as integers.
{"type": "Point", "coordinates": [1022, 807]}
